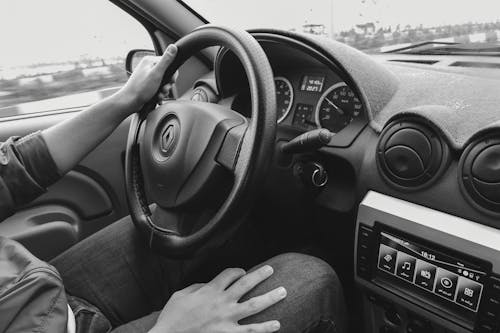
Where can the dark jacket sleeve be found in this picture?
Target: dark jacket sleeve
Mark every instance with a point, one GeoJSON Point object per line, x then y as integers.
{"type": "Point", "coordinates": [26, 169]}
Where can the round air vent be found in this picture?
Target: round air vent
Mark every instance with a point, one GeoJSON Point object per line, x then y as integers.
{"type": "Point", "coordinates": [479, 170]}
{"type": "Point", "coordinates": [410, 153]}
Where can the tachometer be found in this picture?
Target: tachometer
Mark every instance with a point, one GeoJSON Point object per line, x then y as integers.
{"type": "Point", "coordinates": [284, 97]}
{"type": "Point", "coordinates": [337, 107]}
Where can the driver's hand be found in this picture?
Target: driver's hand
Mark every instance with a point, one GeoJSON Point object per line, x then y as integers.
{"type": "Point", "coordinates": [168, 91]}
{"type": "Point", "coordinates": [213, 307]}
{"type": "Point", "coordinates": [145, 81]}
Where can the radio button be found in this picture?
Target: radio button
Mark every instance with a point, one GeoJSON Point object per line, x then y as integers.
{"type": "Point", "coordinates": [446, 284]}
{"type": "Point", "coordinates": [490, 313]}
{"type": "Point", "coordinates": [405, 267]}
{"type": "Point", "coordinates": [426, 274]}
{"type": "Point", "coordinates": [493, 301]}
{"type": "Point", "coordinates": [363, 271]}
{"type": "Point", "coordinates": [363, 259]}
{"type": "Point", "coordinates": [485, 327]}
{"type": "Point", "coordinates": [387, 258]}
{"type": "Point", "coordinates": [490, 307]}
{"type": "Point", "coordinates": [495, 284]}
{"type": "Point", "coordinates": [468, 293]}
{"type": "Point", "coordinates": [365, 235]}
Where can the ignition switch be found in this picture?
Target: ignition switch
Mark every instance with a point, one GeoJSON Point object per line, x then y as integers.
{"type": "Point", "coordinates": [312, 174]}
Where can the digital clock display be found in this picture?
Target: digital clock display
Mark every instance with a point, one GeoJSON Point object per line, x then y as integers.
{"type": "Point", "coordinates": [312, 83]}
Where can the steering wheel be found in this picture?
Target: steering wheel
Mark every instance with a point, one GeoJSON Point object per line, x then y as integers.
{"type": "Point", "coordinates": [200, 163]}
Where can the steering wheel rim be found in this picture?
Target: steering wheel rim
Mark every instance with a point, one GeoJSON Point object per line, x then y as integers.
{"type": "Point", "coordinates": [250, 145]}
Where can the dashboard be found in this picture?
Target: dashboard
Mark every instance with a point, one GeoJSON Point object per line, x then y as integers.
{"type": "Point", "coordinates": [404, 129]}
{"type": "Point", "coordinates": [401, 128]}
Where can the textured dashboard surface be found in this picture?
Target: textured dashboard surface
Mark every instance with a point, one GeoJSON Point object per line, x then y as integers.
{"type": "Point", "coordinates": [460, 105]}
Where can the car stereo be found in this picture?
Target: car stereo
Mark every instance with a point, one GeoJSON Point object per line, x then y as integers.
{"type": "Point", "coordinates": [416, 264]}
{"type": "Point", "coordinates": [449, 282]}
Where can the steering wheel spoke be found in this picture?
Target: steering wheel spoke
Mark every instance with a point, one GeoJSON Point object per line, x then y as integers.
{"type": "Point", "coordinates": [230, 149]}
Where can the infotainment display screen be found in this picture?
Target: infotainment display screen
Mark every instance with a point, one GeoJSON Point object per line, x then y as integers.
{"type": "Point", "coordinates": [432, 275]}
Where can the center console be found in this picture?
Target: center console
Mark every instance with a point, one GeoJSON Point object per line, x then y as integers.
{"type": "Point", "coordinates": [421, 270]}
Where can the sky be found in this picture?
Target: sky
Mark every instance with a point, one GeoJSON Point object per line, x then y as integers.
{"type": "Point", "coordinates": [287, 14]}
{"type": "Point", "coordinates": [57, 30]}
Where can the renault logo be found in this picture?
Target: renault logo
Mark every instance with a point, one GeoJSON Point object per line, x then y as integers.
{"type": "Point", "coordinates": [168, 139]}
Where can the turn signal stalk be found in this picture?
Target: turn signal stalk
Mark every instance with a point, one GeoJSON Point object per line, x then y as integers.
{"type": "Point", "coordinates": [308, 141]}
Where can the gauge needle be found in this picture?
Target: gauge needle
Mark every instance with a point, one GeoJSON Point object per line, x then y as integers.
{"type": "Point", "coordinates": [339, 110]}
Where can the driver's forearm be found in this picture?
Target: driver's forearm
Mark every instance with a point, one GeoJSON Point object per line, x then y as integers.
{"type": "Point", "coordinates": [71, 140]}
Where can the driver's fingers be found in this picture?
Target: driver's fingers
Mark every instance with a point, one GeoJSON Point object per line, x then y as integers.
{"type": "Point", "coordinates": [260, 303]}
{"type": "Point", "coordinates": [167, 58]}
{"type": "Point", "coordinates": [249, 281]}
{"type": "Point", "coordinates": [265, 327]}
{"type": "Point", "coordinates": [174, 77]}
{"type": "Point", "coordinates": [226, 277]}
{"type": "Point", "coordinates": [162, 98]}
{"type": "Point", "coordinates": [150, 61]}
{"type": "Point", "coordinates": [192, 288]}
{"type": "Point", "coordinates": [165, 90]}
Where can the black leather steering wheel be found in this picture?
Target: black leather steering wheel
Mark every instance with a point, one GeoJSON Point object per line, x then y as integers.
{"type": "Point", "coordinates": [200, 163]}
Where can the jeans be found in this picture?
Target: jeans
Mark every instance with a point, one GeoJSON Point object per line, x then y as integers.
{"type": "Point", "coordinates": [115, 283]}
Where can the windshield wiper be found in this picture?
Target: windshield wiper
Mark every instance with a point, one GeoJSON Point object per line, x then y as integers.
{"type": "Point", "coordinates": [447, 48]}
{"type": "Point", "coordinates": [426, 44]}
{"type": "Point", "coordinates": [477, 49]}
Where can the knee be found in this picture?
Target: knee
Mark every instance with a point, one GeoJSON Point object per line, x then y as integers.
{"type": "Point", "coordinates": [305, 271]}
{"type": "Point", "coordinates": [315, 295]}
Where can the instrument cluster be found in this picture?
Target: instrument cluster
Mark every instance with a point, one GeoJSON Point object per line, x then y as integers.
{"type": "Point", "coordinates": [310, 94]}
{"type": "Point", "coordinates": [316, 100]}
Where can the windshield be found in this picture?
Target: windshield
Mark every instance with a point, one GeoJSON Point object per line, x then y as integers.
{"type": "Point", "coordinates": [370, 25]}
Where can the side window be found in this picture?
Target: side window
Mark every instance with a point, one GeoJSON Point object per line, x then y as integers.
{"type": "Point", "coordinates": [63, 54]}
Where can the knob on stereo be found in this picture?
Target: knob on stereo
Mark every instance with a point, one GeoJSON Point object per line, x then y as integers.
{"type": "Point", "coordinates": [410, 153]}
{"type": "Point", "coordinates": [480, 172]}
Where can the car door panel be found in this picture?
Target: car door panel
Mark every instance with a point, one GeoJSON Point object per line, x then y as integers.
{"type": "Point", "coordinates": [46, 230]}
{"type": "Point", "coordinates": [80, 192]}
{"type": "Point", "coordinates": [85, 200]}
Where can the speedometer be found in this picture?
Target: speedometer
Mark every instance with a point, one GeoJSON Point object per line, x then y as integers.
{"type": "Point", "coordinates": [337, 107]}
{"type": "Point", "coordinates": [284, 97]}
